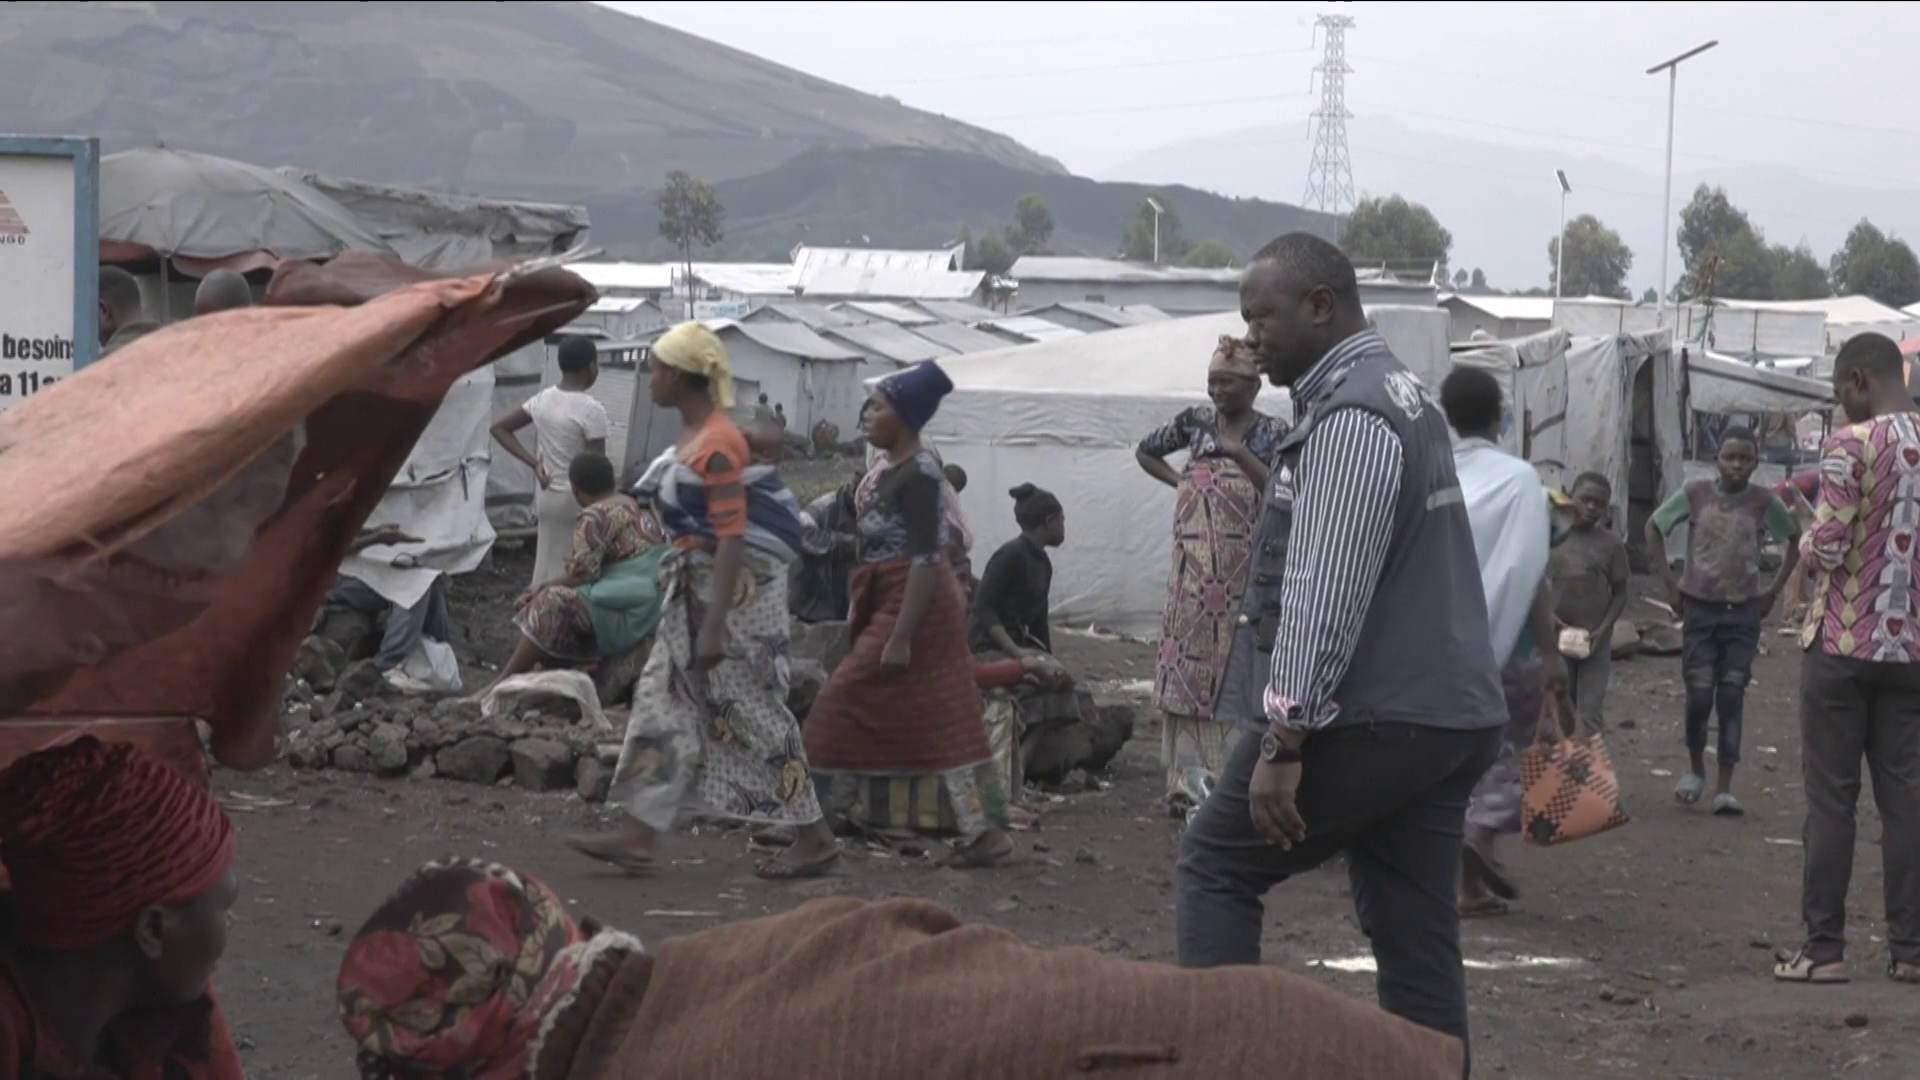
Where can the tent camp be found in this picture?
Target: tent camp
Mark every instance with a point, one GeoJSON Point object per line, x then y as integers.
{"type": "Point", "coordinates": [1066, 415]}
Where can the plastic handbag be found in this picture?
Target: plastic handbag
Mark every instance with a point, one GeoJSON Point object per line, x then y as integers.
{"type": "Point", "coordinates": [1569, 790]}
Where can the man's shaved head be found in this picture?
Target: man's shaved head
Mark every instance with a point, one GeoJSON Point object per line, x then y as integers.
{"type": "Point", "coordinates": [1300, 298]}
{"type": "Point", "coordinates": [222, 290]}
{"type": "Point", "coordinates": [120, 302]}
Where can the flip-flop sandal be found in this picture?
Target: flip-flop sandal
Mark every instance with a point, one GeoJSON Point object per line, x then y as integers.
{"type": "Point", "coordinates": [1800, 968]}
{"type": "Point", "coordinates": [1490, 874]}
{"type": "Point", "coordinates": [775, 870]}
{"type": "Point", "coordinates": [618, 858]}
{"type": "Point", "coordinates": [1691, 785]}
{"type": "Point", "coordinates": [1484, 908]}
{"type": "Point", "coordinates": [1725, 805]}
{"type": "Point", "coordinates": [1902, 972]}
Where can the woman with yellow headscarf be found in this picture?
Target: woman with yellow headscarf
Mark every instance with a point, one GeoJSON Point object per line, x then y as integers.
{"type": "Point", "coordinates": [710, 725]}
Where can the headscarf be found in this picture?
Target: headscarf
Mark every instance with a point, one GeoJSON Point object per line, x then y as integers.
{"type": "Point", "coordinates": [435, 982]}
{"type": "Point", "coordinates": [1032, 506]}
{"type": "Point", "coordinates": [915, 392]}
{"type": "Point", "coordinates": [462, 971]}
{"type": "Point", "coordinates": [1234, 357]}
{"type": "Point", "coordinates": [93, 833]}
{"type": "Point", "coordinates": [696, 350]}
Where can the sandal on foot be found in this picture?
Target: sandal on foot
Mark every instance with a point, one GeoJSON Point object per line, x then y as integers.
{"type": "Point", "coordinates": [980, 855]}
{"type": "Point", "coordinates": [1902, 972]}
{"type": "Point", "coordinates": [613, 854]}
{"type": "Point", "coordinates": [1725, 805]}
{"type": "Point", "coordinates": [1486, 907]}
{"type": "Point", "coordinates": [1801, 968]}
{"type": "Point", "coordinates": [1691, 785]}
{"type": "Point", "coordinates": [776, 870]}
{"type": "Point", "coordinates": [1491, 875]}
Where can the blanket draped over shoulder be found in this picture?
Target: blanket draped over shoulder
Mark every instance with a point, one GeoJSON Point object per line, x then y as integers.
{"type": "Point", "coordinates": [172, 516]}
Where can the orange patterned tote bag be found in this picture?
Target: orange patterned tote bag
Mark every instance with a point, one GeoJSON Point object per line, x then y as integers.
{"type": "Point", "coordinates": [1568, 787]}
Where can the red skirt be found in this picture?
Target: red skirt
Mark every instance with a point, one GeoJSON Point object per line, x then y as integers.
{"type": "Point", "coordinates": [925, 719]}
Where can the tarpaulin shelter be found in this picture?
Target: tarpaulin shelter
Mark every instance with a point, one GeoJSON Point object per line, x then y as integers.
{"type": "Point", "coordinates": [314, 400]}
{"type": "Point", "coordinates": [1067, 416]}
{"type": "Point", "coordinates": [202, 211]}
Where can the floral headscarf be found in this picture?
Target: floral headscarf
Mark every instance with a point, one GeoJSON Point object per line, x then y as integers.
{"type": "Point", "coordinates": [438, 981]}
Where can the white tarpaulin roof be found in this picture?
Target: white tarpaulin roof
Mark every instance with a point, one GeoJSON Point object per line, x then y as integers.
{"type": "Point", "coordinates": [1067, 414]}
{"type": "Point", "coordinates": [1719, 385]}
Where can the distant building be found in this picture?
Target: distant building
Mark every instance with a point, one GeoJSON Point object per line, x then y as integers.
{"type": "Point", "coordinates": [1091, 316]}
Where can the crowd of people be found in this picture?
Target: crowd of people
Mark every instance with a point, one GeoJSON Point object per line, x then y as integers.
{"type": "Point", "coordinates": [1307, 717]}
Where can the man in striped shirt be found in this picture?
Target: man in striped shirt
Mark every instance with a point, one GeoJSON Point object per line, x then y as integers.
{"type": "Point", "coordinates": [1362, 666]}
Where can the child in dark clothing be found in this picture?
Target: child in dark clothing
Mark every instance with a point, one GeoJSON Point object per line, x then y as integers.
{"type": "Point", "coordinates": [1721, 600]}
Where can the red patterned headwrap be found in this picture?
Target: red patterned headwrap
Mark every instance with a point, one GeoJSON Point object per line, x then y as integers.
{"type": "Point", "coordinates": [93, 833]}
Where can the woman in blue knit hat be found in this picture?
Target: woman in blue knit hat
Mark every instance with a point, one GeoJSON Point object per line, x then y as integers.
{"type": "Point", "coordinates": [895, 738]}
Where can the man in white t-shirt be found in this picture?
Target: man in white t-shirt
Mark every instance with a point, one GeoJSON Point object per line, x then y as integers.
{"type": "Point", "coordinates": [567, 422]}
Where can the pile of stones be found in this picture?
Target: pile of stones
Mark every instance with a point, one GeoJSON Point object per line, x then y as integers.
{"type": "Point", "coordinates": [343, 714]}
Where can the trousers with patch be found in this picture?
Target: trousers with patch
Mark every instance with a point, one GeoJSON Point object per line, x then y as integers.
{"type": "Point", "coordinates": [1719, 644]}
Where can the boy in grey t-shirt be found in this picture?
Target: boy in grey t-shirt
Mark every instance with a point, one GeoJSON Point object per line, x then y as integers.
{"type": "Point", "coordinates": [1589, 571]}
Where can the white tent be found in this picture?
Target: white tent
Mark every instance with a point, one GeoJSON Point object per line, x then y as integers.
{"type": "Point", "coordinates": [1066, 415]}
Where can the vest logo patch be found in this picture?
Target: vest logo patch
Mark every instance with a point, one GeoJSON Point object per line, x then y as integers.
{"type": "Point", "coordinates": [1283, 486]}
{"type": "Point", "coordinates": [1406, 393]}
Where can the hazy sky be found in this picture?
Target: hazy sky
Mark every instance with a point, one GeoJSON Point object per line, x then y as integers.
{"type": "Point", "coordinates": [1818, 87]}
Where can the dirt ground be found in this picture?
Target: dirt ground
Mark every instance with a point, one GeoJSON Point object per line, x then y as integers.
{"type": "Point", "coordinates": [1640, 953]}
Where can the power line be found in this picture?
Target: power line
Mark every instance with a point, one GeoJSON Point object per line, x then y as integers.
{"type": "Point", "coordinates": [1650, 102]}
{"type": "Point", "coordinates": [1123, 110]}
{"type": "Point", "coordinates": [1144, 65]}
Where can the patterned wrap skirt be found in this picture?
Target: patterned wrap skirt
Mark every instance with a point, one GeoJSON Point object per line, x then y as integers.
{"type": "Point", "coordinates": [906, 751]}
{"type": "Point", "coordinates": [1214, 518]}
{"type": "Point", "coordinates": [721, 741]}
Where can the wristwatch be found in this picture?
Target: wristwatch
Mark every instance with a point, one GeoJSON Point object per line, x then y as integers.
{"type": "Point", "coordinates": [1275, 752]}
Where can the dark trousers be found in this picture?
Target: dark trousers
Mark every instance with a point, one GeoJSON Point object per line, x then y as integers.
{"type": "Point", "coordinates": [1393, 798]}
{"type": "Point", "coordinates": [1850, 709]}
{"type": "Point", "coordinates": [1719, 643]}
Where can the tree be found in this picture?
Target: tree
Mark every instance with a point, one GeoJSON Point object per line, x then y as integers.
{"type": "Point", "coordinates": [1136, 242]}
{"type": "Point", "coordinates": [1392, 230]}
{"type": "Point", "coordinates": [1032, 226]}
{"type": "Point", "coordinates": [1478, 282]}
{"type": "Point", "coordinates": [1871, 263]}
{"type": "Point", "coordinates": [1211, 255]}
{"type": "Point", "coordinates": [690, 216]}
{"type": "Point", "coordinates": [1720, 247]}
{"type": "Point", "coordinates": [1597, 259]}
{"type": "Point", "coordinates": [1460, 279]}
{"type": "Point", "coordinates": [989, 253]}
{"type": "Point", "coordinates": [1651, 296]}
{"type": "Point", "coordinates": [1797, 274]}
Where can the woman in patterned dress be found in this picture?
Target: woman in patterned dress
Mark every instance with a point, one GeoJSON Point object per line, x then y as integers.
{"type": "Point", "coordinates": [710, 726]}
{"type": "Point", "coordinates": [606, 602]}
{"type": "Point", "coordinates": [1229, 449]}
{"type": "Point", "coordinates": [896, 735]}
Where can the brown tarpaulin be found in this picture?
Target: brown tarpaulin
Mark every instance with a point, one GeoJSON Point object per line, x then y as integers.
{"type": "Point", "coordinates": [361, 350]}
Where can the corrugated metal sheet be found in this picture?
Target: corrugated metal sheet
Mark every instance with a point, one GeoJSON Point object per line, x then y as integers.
{"type": "Point", "coordinates": [806, 258]}
{"type": "Point", "coordinates": [1146, 312]}
{"type": "Point", "coordinates": [626, 276]}
{"type": "Point", "coordinates": [1517, 308]}
{"type": "Point", "coordinates": [961, 339]}
{"type": "Point", "coordinates": [888, 283]}
{"type": "Point", "coordinates": [1839, 310]}
{"type": "Point", "coordinates": [1075, 268]}
{"type": "Point", "coordinates": [747, 279]}
{"type": "Point", "coordinates": [897, 314]}
{"type": "Point", "coordinates": [789, 338]}
{"type": "Point", "coordinates": [1034, 329]}
{"type": "Point", "coordinates": [1091, 309]}
{"type": "Point", "coordinates": [812, 316]}
{"type": "Point", "coordinates": [889, 342]}
{"type": "Point", "coordinates": [959, 311]}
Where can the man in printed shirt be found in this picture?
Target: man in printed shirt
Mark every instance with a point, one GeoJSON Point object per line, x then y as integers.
{"type": "Point", "coordinates": [1362, 668]}
{"type": "Point", "coordinates": [1860, 681]}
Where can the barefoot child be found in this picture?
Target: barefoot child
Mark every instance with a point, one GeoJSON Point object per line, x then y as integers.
{"type": "Point", "coordinates": [1590, 574]}
{"type": "Point", "coordinates": [1721, 599]}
